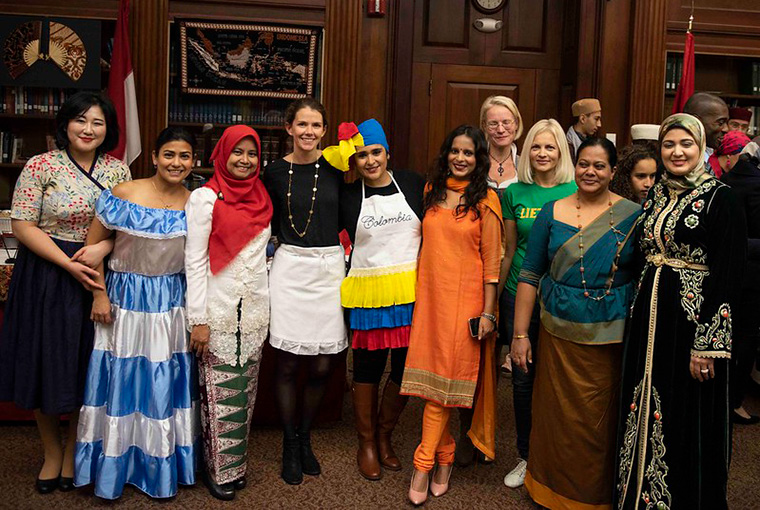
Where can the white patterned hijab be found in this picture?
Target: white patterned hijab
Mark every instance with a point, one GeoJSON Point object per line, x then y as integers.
{"type": "Point", "coordinates": [698, 174]}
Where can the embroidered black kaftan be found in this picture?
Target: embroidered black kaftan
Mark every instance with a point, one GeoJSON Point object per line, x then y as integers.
{"type": "Point", "coordinates": [674, 438]}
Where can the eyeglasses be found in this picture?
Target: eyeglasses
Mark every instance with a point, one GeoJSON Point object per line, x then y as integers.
{"type": "Point", "coordinates": [493, 125]}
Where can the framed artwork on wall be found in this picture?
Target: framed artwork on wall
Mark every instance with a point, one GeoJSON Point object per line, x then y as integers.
{"type": "Point", "coordinates": [50, 52]}
{"type": "Point", "coordinates": [248, 60]}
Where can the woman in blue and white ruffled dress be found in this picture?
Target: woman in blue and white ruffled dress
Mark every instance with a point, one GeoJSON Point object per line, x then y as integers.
{"type": "Point", "coordinates": [139, 424]}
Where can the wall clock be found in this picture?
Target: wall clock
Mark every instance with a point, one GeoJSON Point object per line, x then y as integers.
{"type": "Point", "coordinates": [489, 6]}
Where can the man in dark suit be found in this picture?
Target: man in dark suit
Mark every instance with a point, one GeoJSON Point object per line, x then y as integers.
{"type": "Point", "coordinates": [744, 178]}
{"type": "Point", "coordinates": [713, 112]}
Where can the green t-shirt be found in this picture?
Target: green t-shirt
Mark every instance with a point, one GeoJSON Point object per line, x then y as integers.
{"type": "Point", "coordinates": [521, 203]}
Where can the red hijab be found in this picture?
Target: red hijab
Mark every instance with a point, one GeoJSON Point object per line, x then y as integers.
{"type": "Point", "coordinates": [243, 208]}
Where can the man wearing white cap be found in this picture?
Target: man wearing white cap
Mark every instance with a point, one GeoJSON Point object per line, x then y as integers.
{"type": "Point", "coordinates": [587, 121]}
{"type": "Point", "coordinates": [644, 133]}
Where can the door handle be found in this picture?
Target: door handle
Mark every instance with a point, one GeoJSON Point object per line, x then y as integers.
{"type": "Point", "coordinates": [488, 25]}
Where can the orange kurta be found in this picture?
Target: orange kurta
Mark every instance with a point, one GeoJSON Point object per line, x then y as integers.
{"type": "Point", "coordinates": [458, 256]}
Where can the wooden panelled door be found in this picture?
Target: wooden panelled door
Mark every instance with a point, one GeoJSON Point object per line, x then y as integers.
{"type": "Point", "coordinates": [454, 67]}
{"type": "Point", "coordinates": [453, 96]}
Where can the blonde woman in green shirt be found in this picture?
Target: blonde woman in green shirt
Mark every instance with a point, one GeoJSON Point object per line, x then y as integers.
{"type": "Point", "coordinates": [545, 173]}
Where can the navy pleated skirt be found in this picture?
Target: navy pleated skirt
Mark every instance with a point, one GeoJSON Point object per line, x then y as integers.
{"type": "Point", "coordinates": [47, 335]}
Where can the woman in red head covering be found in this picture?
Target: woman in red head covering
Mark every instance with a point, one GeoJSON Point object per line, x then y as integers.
{"type": "Point", "coordinates": [228, 227]}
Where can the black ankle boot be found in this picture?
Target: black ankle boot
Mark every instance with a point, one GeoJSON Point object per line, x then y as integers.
{"type": "Point", "coordinates": [291, 461]}
{"type": "Point", "coordinates": [309, 463]}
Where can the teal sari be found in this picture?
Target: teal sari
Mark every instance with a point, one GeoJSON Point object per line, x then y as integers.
{"type": "Point", "coordinates": [552, 264]}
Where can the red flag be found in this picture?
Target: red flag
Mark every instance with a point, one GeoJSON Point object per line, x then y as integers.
{"type": "Point", "coordinates": [686, 85]}
{"type": "Point", "coordinates": [121, 90]}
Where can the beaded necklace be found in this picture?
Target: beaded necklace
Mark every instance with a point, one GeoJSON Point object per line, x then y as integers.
{"type": "Point", "coordinates": [313, 198]}
{"type": "Point", "coordinates": [500, 163]}
{"type": "Point", "coordinates": [619, 236]}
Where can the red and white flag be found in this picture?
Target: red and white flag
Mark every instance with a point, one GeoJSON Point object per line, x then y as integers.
{"type": "Point", "coordinates": [121, 90]}
{"type": "Point", "coordinates": [686, 85]}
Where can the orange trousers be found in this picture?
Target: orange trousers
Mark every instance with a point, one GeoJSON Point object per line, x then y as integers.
{"type": "Point", "coordinates": [437, 445]}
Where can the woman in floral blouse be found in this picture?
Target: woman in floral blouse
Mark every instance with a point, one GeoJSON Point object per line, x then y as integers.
{"type": "Point", "coordinates": [47, 334]}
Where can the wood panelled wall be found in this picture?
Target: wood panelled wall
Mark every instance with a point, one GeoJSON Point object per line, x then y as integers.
{"type": "Point", "coordinates": [382, 67]}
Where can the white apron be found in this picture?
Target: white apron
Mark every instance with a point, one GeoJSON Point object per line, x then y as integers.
{"type": "Point", "coordinates": [388, 233]}
{"type": "Point", "coordinates": [304, 295]}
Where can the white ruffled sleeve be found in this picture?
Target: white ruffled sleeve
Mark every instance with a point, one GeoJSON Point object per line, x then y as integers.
{"type": "Point", "coordinates": [199, 209]}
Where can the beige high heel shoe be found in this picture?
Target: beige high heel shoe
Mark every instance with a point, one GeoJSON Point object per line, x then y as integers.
{"type": "Point", "coordinates": [439, 489]}
{"type": "Point", "coordinates": [415, 496]}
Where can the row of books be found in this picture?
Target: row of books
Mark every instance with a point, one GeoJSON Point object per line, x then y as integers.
{"type": "Point", "coordinates": [749, 80]}
{"type": "Point", "coordinates": [24, 100]}
{"type": "Point", "coordinates": [221, 110]}
{"type": "Point", "coordinates": [10, 147]}
{"type": "Point", "coordinates": [673, 72]}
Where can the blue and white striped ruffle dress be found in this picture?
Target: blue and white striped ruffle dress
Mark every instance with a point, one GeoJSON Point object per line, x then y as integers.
{"type": "Point", "coordinates": [140, 420]}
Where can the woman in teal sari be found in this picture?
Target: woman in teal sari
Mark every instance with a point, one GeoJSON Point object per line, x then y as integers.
{"type": "Point", "coordinates": [581, 253]}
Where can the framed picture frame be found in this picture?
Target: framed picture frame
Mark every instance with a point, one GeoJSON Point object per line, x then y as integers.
{"type": "Point", "coordinates": [49, 52]}
{"type": "Point", "coordinates": [226, 59]}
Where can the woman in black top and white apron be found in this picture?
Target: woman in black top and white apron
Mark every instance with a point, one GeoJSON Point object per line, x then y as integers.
{"type": "Point", "coordinates": [382, 214]}
{"type": "Point", "coordinates": [304, 283]}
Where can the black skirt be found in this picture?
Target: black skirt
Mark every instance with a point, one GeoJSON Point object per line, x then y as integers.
{"type": "Point", "coordinates": [47, 335]}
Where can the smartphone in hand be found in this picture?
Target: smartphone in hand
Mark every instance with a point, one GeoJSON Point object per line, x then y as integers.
{"type": "Point", "coordinates": [474, 323]}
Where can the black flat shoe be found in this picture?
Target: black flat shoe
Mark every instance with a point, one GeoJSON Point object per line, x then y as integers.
{"type": "Point", "coordinates": [46, 486]}
{"type": "Point", "coordinates": [239, 484]}
{"type": "Point", "coordinates": [741, 420]}
{"type": "Point", "coordinates": [225, 492]}
{"type": "Point", "coordinates": [65, 484]}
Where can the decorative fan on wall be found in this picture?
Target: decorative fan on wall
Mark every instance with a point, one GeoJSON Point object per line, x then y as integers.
{"type": "Point", "coordinates": [22, 48]}
{"type": "Point", "coordinates": [65, 48]}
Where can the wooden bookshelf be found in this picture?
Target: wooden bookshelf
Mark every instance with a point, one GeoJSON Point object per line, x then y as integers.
{"type": "Point", "coordinates": [262, 127]}
{"type": "Point", "coordinates": [27, 116]}
{"type": "Point", "coordinates": [726, 76]}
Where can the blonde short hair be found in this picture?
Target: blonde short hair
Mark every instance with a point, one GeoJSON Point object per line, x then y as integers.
{"type": "Point", "coordinates": [565, 171]}
{"type": "Point", "coordinates": [507, 103]}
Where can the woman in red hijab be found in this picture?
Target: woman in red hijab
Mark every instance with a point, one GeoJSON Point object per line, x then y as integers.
{"type": "Point", "coordinates": [228, 227]}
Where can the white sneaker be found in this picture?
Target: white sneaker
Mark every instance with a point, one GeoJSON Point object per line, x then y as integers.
{"type": "Point", "coordinates": [516, 477]}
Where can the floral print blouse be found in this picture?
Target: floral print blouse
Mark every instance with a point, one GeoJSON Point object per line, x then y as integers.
{"type": "Point", "coordinates": [59, 197]}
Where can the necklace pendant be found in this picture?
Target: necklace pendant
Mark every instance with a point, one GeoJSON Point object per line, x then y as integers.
{"type": "Point", "coordinates": [501, 170]}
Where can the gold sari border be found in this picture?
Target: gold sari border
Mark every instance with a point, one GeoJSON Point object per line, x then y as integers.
{"type": "Point", "coordinates": [546, 497]}
{"type": "Point", "coordinates": [594, 333]}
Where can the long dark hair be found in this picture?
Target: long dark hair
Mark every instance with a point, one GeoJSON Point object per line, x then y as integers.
{"type": "Point", "coordinates": [629, 158]}
{"type": "Point", "coordinates": [478, 187]}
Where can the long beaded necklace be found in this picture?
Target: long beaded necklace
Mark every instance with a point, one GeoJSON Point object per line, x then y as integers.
{"type": "Point", "coordinates": [500, 163]}
{"type": "Point", "coordinates": [313, 198]}
{"type": "Point", "coordinates": [619, 236]}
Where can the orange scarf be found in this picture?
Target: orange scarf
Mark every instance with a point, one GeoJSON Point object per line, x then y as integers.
{"type": "Point", "coordinates": [489, 204]}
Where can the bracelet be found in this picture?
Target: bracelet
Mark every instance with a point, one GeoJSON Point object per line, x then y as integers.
{"type": "Point", "coordinates": [519, 336]}
{"type": "Point", "coordinates": [491, 317]}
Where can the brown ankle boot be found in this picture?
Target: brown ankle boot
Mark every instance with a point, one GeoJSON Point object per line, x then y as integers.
{"type": "Point", "coordinates": [365, 412]}
{"type": "Point", "coordinates": [390, 409]}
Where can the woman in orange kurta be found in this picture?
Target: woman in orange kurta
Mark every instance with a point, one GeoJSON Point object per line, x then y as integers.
{"type": "Point", "coordinates": [458, 273]}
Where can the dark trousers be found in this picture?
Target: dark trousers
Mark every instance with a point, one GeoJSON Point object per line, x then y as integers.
{"type": "Point", "coordinates": [522, 383]}
{"type": "Point", "coordinates": [746, 335]}
{"type": "Point", "coordinates": [370, 365]}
